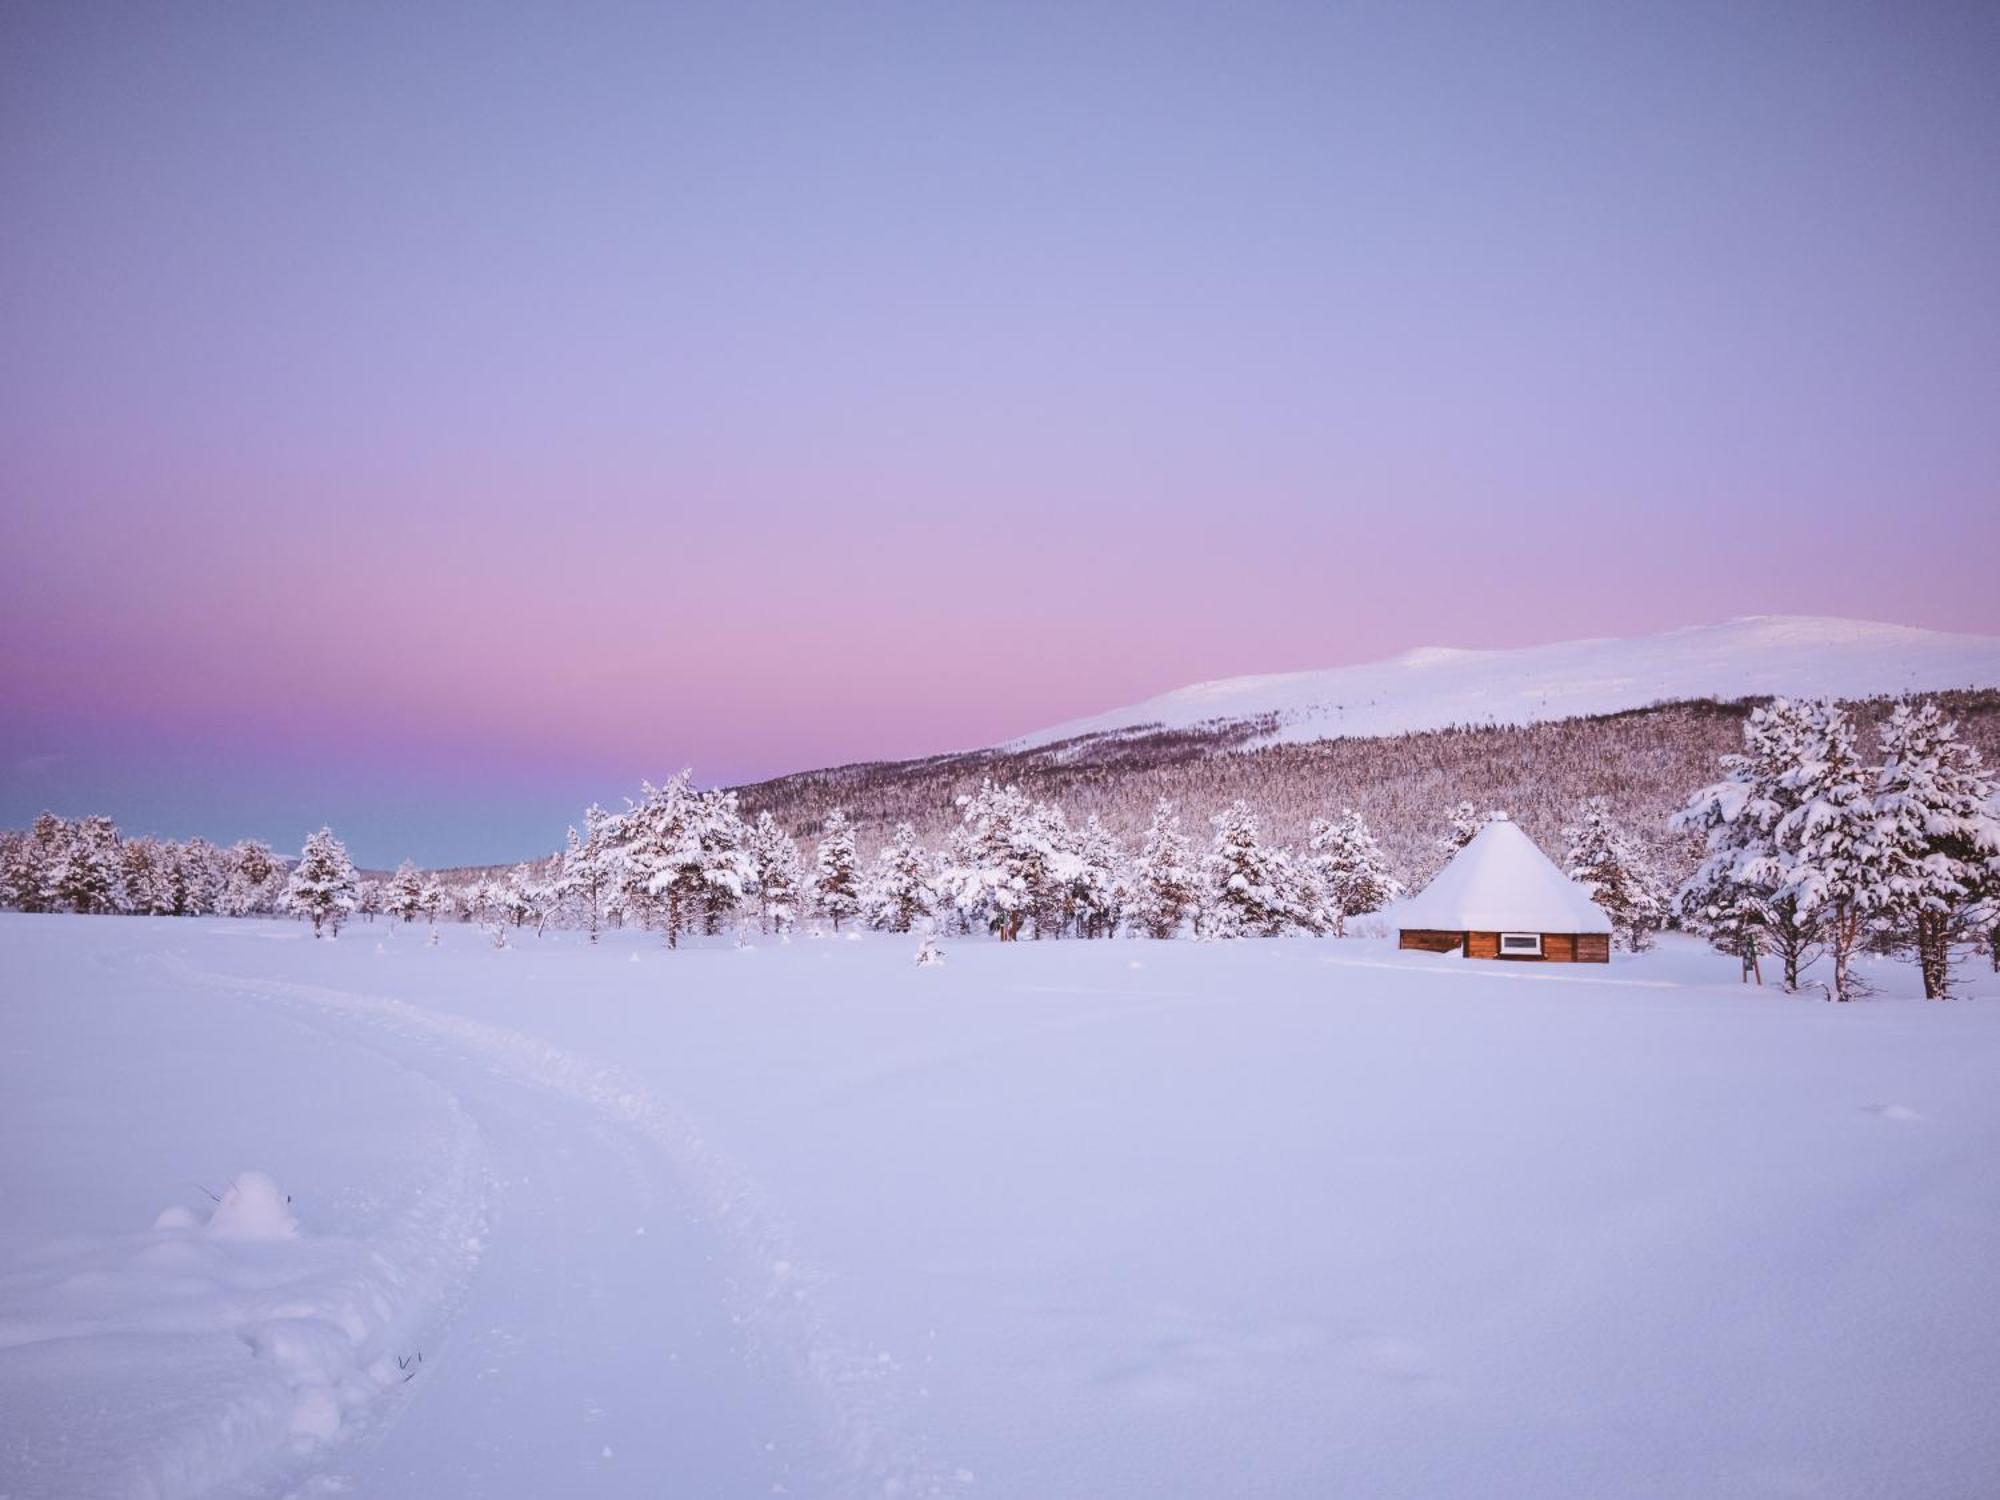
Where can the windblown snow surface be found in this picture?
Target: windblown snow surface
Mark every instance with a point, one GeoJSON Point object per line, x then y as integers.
{"type": "Point", "coordinates": [1437, 687]}
{"type": "Point", "coordinates": [1295, 1217]}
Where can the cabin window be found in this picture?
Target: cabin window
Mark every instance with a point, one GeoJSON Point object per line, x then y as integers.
{"type": "Point", "coordinates": [1521, 944]}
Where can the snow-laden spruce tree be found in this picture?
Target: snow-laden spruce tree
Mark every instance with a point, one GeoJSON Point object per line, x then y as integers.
{"type": "Point", "coordinates": [1461, 822]}
{"type": "Point", "coordinates": [87, 871]}
{"type": "Point", "coordinates": [1829, 842]}
{"type": "Point", "coordinates": [898, 892]}
{"type": "Point", "coordinates": [728, 871]}
{"type": "Point", "coordinates": [996, 862]}
{"type": "Point", "coordinates": [1612, 865]}
{"type": "Point", "coordinates": [681, 855]}
{"type": "Point", "coordinates": [1989, 913]}
{"type": "Point", "coordinates": [404, 897]}
{"type": "Point", "coordinates": [21, 870]}
{"type": "Point", "coordinates": [143, 877]}
{"type": "Point", "coordinates": [322, 887]}
{"type": "Point", "coordinates": [437, 903]}
{"type": "Point", "coordinates": [12, 842]}
{"type": "Point", "coordinates": [1165, 883]}
{"type": "Point", "coordinates": [1742, 894]}
{"type": "Point", "coordinates": [589, 872]}
{"type": "Point", "coordinates": [1350, 871]}
{"type": "Point", "coordinates": [1939, 838]}
{"type": "Point", "coordinates": [778, 871]}
{"type": "Point", "coordinates": [660, 856]}
{"type": "Point", "coordinates": [1092, 884]}
{"type": "Point", "coordinates": [1250, 888]}
{"type": "Point", "coordinates": [256, 882]}
{"type": "Point", "coordinates": [33, 874]}
{"type": "Point", "coordinates": [195, 877]}
{"type": "Point", "coordinates": [518, 896]}
{"type": "Point", "coordinates": [836, 870]}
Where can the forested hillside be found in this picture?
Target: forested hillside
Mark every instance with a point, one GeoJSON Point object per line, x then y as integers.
{"type": "Point", "coordinates": [1645, 762]}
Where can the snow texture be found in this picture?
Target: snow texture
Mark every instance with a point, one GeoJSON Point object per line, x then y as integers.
{"type": "Point", "coordinates": [1501, 882]}
{"type": "Point", "coordinates": [1437, 687]}
{"type": "Point", "coordinates": [1146, 1219]}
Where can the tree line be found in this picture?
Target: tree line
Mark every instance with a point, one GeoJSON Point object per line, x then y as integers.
{"type": "Point", "coordinates": [1803, 850]}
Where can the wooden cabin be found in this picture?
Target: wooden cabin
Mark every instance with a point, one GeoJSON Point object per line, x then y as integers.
{"type": "Point", "coordinates": [1502, 898]}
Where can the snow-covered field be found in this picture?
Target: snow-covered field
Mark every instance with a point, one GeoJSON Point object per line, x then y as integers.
{"type": "Point", "coordinates": [1295, 1217]}
{"type": "Point", "coordinates": [1435, 687]}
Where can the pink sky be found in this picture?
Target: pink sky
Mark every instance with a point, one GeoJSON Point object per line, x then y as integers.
{"type": "Point", "coordinates": [399, 402]}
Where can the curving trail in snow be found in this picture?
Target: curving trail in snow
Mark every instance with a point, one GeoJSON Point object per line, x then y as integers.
{"type": "Point", "coordinates": [639, 1323]}
{"type": "Point", "coordinates": [488, 1266]}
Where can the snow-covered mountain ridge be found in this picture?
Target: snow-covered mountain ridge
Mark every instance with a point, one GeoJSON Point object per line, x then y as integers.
{"type": "Point", "coordinates": [1436, 687]}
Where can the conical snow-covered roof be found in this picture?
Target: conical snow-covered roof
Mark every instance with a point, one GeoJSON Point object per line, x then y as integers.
{"type": "Point", "coordinates": [1502, 882]}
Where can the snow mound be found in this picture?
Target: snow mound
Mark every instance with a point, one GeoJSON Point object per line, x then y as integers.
{"type": "Point", "coordinates": [207, 1350]}
{"type": "Point", "coordinates": [253, 1208]}
{"type": "Point", "coordinates": [1436, 687]}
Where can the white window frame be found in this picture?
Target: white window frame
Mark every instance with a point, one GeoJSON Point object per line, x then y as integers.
{"type": "Point", "coordinates": [1510, 945]}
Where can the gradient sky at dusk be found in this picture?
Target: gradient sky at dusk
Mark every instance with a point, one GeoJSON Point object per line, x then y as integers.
{"type": "Point", "coordinates": [431, 418]}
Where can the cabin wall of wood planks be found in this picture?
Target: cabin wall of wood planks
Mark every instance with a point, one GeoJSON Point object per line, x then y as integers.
{"type": "Point", "coordinates": [1557, 947]}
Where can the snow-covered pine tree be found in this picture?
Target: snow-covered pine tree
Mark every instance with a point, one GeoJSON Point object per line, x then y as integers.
{"type": "Point", "coordinates": [1939, 836]}
{"type": "Point", "coordinates": [589, 868]}
{"type": "Point", "coordinates": [996, 861]}
{"type": "Point", "coordinates": [661, 852]}
{"type": "Point", "coordinates": [517, 895]}
{"type": "Point", "coordinates": [727, 868]}
{"type": "Point", "coordinates": [201, 872]}
{"type": "Point", "coordinates": [404, 898]}
{"type": "Point", "coordinates": [1462, 821]}
{"type": "Point", "coordinates": [836, 875]}
{"type": "Point", "coordinates": [1095, 887]}
{"type": "Point", "coordinates": [953, 880]}
{"type": "Point", "coordinates": [1742, 893]}
{"type": "Point", "coordinates": [87, 875]}
{"type": "Point", "coordinates": [436, 903]}
{"type": "Point", "coordinates": [1047, 861]}
{"type": "Point", "coordinates": [1830, 841]}
{"type": "Point", "coordinates": [1989, 913]}
{"type": "Point", "coordinates": [37, 861]}
{"type": "Point", "coordinates": [898, 893]}
{"type": "Point", "coordinates": [1165, 882]}
{"type": "Point", "coordinates": [254, 882]}
{"type": "Point", "coordinates": [143, 877]}
{"type": "Point", "coordinates": [1350, 870]}
{"type": "Point", "coordinates": [1249, 888]}
{"type": "Point", "coordinates": [1608, 862]}
{"type": "Point", "coordinates": [778, 871]}
{"type": "Point", "coordinates": [322, 883]}
{"type": "Point", "coordinates": [1989, 916]}
{"type": "Point", "coordinates": [12, 842]}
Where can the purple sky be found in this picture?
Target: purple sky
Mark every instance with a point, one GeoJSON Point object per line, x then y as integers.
{"type": "Point", "coordinates": [430, 418]}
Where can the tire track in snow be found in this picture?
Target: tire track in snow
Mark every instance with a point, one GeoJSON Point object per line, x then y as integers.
{"type": "Point", "coordinates": [853, 1391]}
